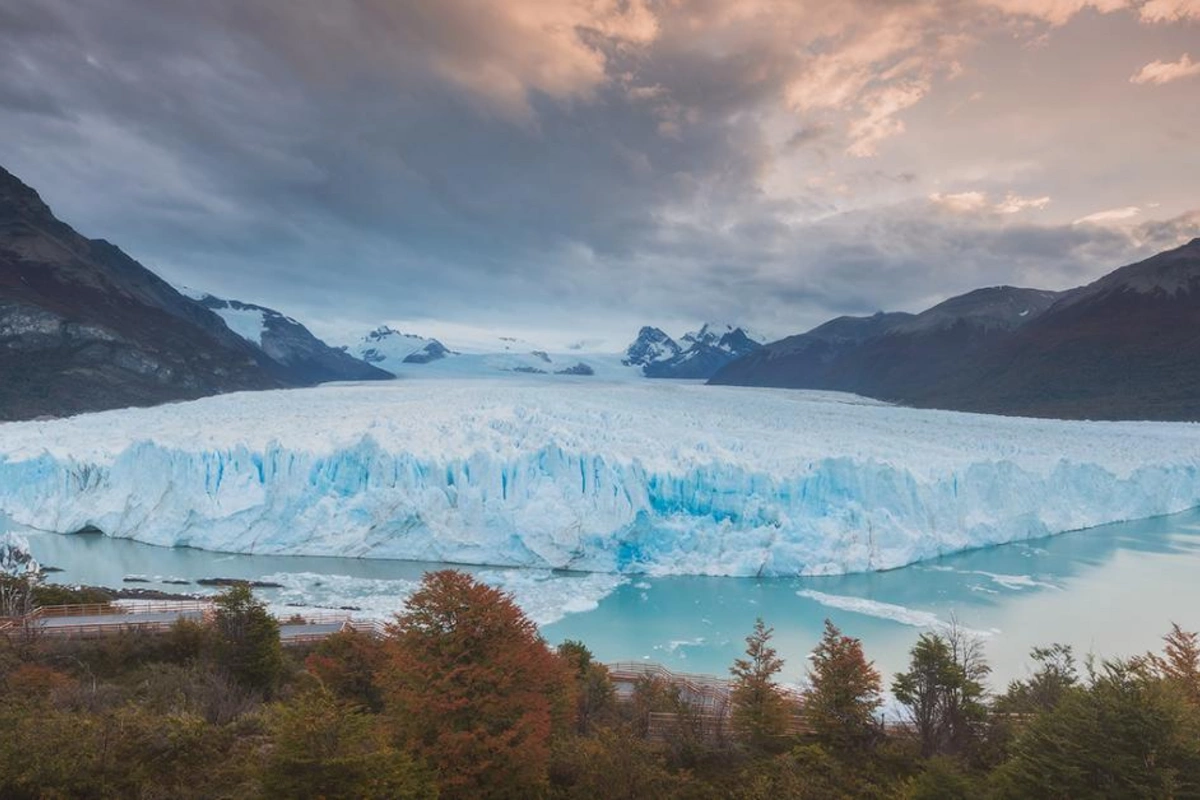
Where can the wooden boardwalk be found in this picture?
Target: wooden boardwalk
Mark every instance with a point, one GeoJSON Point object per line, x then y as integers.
{"type": "Point", "coordinates": [97, 620]}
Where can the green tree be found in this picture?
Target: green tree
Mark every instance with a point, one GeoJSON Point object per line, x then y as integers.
{"type": "Point", "coordinates": [1180, 662]}
{"type": "Point", "coordinates": [943, 691]}
{"type": "Point", "coordinates": [1128, 734]}
{"type": "Point", "coordinates": [594, 693]}
{"type": "Point", "coordinates": [471, 688]}
{"type": "Point", "coordinates": [246, 639]}
{"type": "Point", "coordinates": [843, 693]}
{"type": "Point", "coordinates": [326, 750]}
{"type": "Point", "coordinates": [1054, 675]}
{"type": "Point", "coordinates": [761, 712]}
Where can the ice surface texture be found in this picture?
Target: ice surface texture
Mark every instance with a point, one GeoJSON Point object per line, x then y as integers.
{"type": "Point", "coordinates": [608, 477]}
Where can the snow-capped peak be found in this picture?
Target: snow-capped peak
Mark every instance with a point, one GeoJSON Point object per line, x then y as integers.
{"type": "Point", "coordinates": [713, 332]}
{"type": "Point", "coordinates": [652, 345]}
{"type": "Point", "coordinates": [387, 348]}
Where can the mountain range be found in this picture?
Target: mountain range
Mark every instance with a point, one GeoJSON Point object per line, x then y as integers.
{"type": "Point", "coordinates": [1125, 346]}
{"type": "Point", "coordinates": [699, 354]}
{"type": "Point", "coordinates": [84, 327]}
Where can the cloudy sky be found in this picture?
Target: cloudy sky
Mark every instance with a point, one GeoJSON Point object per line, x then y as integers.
{"type": "Point", "coordinates": [571, 169]}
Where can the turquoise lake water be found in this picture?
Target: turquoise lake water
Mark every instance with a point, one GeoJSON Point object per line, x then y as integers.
{"type": "Point", "coordinates": [1112, 590]}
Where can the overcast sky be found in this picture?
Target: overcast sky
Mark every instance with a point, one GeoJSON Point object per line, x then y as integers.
{"type": "Point", "coordinates": [572, 169]}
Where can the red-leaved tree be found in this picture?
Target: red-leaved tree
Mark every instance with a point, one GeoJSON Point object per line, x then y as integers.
{"type": "Point", "coordinates": [471, 688]}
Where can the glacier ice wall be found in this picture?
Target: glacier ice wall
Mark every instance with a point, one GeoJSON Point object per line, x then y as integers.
{"type": "Point", "coordinates": [686, 479]}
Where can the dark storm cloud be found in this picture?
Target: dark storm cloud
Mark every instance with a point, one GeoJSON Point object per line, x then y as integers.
{"type": "Point", "coordinates": [562, 163]}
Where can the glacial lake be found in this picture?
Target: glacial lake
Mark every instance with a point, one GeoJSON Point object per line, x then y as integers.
{"type": "Point", "coordinates": [1112, 590]}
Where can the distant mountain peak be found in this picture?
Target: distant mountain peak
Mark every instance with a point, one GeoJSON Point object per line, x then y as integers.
{"type": "Point", "coordinates": [652, 345]}
{"type": "Point", "coordinates": [287, 341]}
{"type": "Point", "coordinates": [697, 354]}
{"type": "Point", "coordinates": [387, 347]}
{"type": "Point", "coordinates": [714, 331]}
{"type": "Point", "coordinates": [1170, 272]}
{"type": "Point", "coordinates": [989, 308]}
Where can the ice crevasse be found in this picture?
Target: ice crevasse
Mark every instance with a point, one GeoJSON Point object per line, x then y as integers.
{"type": "Point", "coordinates": [609, 477]}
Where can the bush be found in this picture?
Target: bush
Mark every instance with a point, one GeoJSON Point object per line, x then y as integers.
{"type": "Point", "coordinates": [327, 749]}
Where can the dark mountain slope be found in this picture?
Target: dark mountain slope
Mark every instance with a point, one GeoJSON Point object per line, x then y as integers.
{"type": "Point", "coordinates": [809, 360]}
{"type": "Point", "coordinates": [1124, 347]}
{"type": "Point", "coordinates": [85, 327]}
{"type": "Point", "coordinates": [892, 356]}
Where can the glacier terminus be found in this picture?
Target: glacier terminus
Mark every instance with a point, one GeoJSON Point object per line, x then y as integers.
{"type": "Point", "coordinates": [621, 477]}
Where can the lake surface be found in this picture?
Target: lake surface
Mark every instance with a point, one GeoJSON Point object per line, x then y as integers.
{"type": "Point", "coordinates": [1112, 590]}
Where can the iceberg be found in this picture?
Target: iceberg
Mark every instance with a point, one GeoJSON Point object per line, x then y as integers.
{"type": "Point", "coordinates": [611, 477]}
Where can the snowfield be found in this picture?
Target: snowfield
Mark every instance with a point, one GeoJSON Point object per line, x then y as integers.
{"type": "Point", "coordinates": [560, 472]}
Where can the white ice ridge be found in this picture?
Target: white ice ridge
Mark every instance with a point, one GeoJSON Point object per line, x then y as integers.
{"type": "Point", "coordinates": [657, 477]}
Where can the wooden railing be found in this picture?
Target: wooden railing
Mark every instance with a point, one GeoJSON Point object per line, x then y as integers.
{"type": "Point", "coordinates": [168, 606]}
{"type": "Point", "coordinates": [323, 618]}
{"type": "Point", "coordinates": [707, 693]}
{"type": "Point", "coordinates": [115, 609]}
{"type": "Point", "coordinates": [96, 630]}
{"type": "Point", "coordinates": [633, 670]}
{"type": "Point", "coordinates": [76, 610]}
{"type": "Point", "coordinates": [121, 617]}
{"type": "Point", "coordinates": [371, 627]}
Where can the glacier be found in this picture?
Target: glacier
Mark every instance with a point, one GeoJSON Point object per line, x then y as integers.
{"type": "Point", "coordinates": [615, 477]}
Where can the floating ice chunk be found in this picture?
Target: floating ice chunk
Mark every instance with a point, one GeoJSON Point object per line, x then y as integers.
{"type": "Point", "coordinates": [888, 611]}
{"type": "Point", "coordinates": [16, 560]}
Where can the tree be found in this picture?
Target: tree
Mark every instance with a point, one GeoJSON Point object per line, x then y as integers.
{"type": "Point", "coordinates": [247, 639]}
{"type": "Point", "coordinates": [943, 691]}
{"type": "Point", "coordinates": [760, 710]}
{"type": "Point", "coordinates": [20, 575]}
{"type": "Point", "coordinates": [348, 664]}
{"type": "Point", "coordinates": [594, 693]}
{"type": "Point", "coordinates": [843, 693]}
{"type": "Point", "coordinates": [1054, 675]}
{"type": "Point", "coordinates": [1128, 734]}
{"type": "Point", "coordinates": [1180, 662]}
{"type": "Point", "coordinates": [327, 750]}
{"type": "Point", "coordinates": [471, 688]}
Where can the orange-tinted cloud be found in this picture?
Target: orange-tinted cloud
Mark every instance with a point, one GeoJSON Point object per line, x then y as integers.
{"type": "Point", "coordinates": [1170, 10]}
{"type": "Point", "coordinates": [1160, 72]}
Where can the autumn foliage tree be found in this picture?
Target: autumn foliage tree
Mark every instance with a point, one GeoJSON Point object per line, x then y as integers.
{"type": "Point", "coordinates": [844, 692]}
{"type": "Point", "coordinates": [471, 688]}
{"type": "Point", "coordinates": [348, 664]}
{"type": "Point", "coordinates": [760, 709]}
